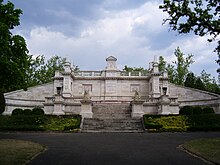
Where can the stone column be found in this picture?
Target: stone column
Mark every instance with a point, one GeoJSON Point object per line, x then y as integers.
{"type": "Point", "coordinates": [154, 80]}
{"type": "Point", "coordinates": [67, 80]}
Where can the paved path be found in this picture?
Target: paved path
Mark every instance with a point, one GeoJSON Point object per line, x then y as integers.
{"type": "Point", "coordinates": [112, 148]}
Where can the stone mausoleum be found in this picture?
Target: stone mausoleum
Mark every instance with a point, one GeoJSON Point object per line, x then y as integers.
{"type": "Point", "coordinates": [91, 92]}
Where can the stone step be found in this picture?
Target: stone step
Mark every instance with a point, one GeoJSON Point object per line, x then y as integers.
{"type": "Point", "coordinates": [112, 115]}
{"type": "Point", "coordinates": [112, 125]}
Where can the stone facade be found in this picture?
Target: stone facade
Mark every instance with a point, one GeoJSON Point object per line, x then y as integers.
{"type": "Point", "coordinates": [76, 92]}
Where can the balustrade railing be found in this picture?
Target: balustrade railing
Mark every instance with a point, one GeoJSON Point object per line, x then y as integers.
{"type": "Point", "coordinates": [99, 73]}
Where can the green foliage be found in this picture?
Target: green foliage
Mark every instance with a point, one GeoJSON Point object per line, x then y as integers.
{"type": "Point", "coordinates": [162, 64]}
{"type": "Point", "coordinates": [204, 122]}
{"type": "Point", "coordinates": [182, 65]}
{"type": "Point", "coordinates": [197, 110]}
{"type": "Point", "coordinates": [171, 123]}
{"type": "Point", "coordinates": [17, 111]}
{"type": "Point", "coordinates": [209, 83]}
{"type": "Point", "coordinates": [135, 70]}
{"type": "Point", "coordinates": [2, 103]}
{"type": "Point", "coordinates": [41, 72]}
{"type": "Point", "coordinates": [208, 110]}
{"type": "Point", "coordinates": [62, 123]}
{"type": "Point", "coordinates": [186, 110]}
{"type": "Point", "coordinates": [13, 50]}
{"type": "Point", "coordinates": [200, 17]}
{"type": "Point", "coordinates": [39, 123]}
{"type": "Point", "coordinates": [179, 69]}
{"type": "Point", "coordinates": [203, 82]}
{"type": "Point", "coordinates": [190, 80]}
{"type": "Point", "coordinates": [149, 125]}
{"type": "Point", "coordinates": [176, 123]}
{"type": "Point", "coordinates": [37, 111]}
{"type": "Point", "coordinates": [27, 112]}
{"type": "Point", "coordinates": [189, 110]}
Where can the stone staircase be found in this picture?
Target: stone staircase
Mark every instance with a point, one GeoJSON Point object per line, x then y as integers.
{"type": "Point", "coordinates": [112, 117]}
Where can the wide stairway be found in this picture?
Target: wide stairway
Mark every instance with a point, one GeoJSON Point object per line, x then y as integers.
{"type": "Point", "coordinates": [112, 117]}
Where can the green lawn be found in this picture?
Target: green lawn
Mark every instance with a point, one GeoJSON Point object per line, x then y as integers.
{"type": "Point", "coordinates": [206, 148]}
{"type": "Point", "coordinates": [16, 152]}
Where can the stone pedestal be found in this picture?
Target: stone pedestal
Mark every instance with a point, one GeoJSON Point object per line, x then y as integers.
{"type": "Point", "coordinates": [164, 105]}
{"type": "Point", "coordinates": [58, 105]}
{"type": "Point", "coordinates": [86, 109]}
{"type": "Point", "coordinates": [137, 109]}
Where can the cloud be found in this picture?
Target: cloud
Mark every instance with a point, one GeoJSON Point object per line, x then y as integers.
{"type": "Point", "coordinates": [89, 32]}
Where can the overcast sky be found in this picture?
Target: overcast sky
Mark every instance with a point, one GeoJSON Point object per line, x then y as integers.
{"type": "Point", "coordinates": [88, 31]}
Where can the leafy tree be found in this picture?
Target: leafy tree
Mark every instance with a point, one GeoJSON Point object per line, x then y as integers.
{"type": "Point", "coordinates": [199, 84]}
{"type": "Point", "coordinates": [171, 73]}
{"type": "Point", "coordinates": [182, 65]}
{"type": "Point", "coordinates": [198, 16]}
{"type": "Point", "coordinates": [178, 70]}
{"type": "Point", "coordinates": [13, 50]}
{"type": "Point", "coordinates": [41, 72]}
{"type": "Point", "coordinates": [190, 80]}
{"type": "Point", "coordinates": [131, 69]}
{"type": "Point", "coordinates": [209, 83]}
{"type": "Point", "coordinates": [162, 64]}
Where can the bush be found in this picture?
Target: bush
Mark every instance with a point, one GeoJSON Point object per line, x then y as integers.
{"type": "Point", "coordinates": [17, 111]}
{"type": "Point", "coordinates": [197, 110]}
{"type": "Point", "coordinates": [208, 110]}
{"type": "Point", "coordinates": [2, 103]}
{"type": "Point", "coordinates": [171, 123]}
{"type": "Point", "coordinates": [153, 126]}
{"type": "Point", "coordinates": [189, 110]}
{"type": "Point", "coordinates": [37, 111]}
{"type": "Point", "coordinates": [39, 123]}
{"type": "Point", "coordinates": [186, 110]}
{"type": "Point", "coordinates": [27, 112]}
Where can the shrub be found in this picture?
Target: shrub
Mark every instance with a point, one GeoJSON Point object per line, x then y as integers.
{"type": "Point", "coordinates": [27, 112]}
{"type": "Point", "coordinates": [197, 110]}
{"type": "Point", "coordinates": [153, 126]}
{"type": "Point", "coordinates": [2, 103]}
{"type": "Point", "coordinates": [186, 110]}
{"type": "Point", "coordinates": [208, 110]}
{"type": "Point", "coordinates": [37, 111]}
{"type": "Point", "coordinates": [17, 111]}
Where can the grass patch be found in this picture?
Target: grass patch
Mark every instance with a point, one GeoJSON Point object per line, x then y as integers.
{"type": "Point", "coordinates": [39, 123]}
{"type": "Point", "coordinates": [16, 152]}
{"type": "Point", "coordinates": [206, 148]}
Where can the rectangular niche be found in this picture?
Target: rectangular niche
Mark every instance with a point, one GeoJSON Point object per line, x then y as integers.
{"type": "Point", "coordinates": [111, 87]}
{"type": "Point", "coordinates": [87, 87]}
{"type": "Point", "coordinates": [135, 87]}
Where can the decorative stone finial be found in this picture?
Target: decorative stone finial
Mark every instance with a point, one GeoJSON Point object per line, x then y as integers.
{"type": "Point", "coordinates": [111, 63]}
{"type": "Point", "coordinates": [67, 66]}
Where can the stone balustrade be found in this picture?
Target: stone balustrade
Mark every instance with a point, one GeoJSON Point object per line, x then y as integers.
{"type": "Point", "coordinates": [99, 74]}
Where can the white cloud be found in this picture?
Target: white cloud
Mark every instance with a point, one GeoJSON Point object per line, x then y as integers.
{"type": "Point", "coordinates": [127, 34]}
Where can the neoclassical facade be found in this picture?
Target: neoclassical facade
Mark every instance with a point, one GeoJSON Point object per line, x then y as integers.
{"type": "Point", "coordinates": [75, 92]}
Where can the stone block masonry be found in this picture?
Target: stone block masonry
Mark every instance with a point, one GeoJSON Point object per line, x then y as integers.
{"type": "Point", "coordinates": [145, 93]}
